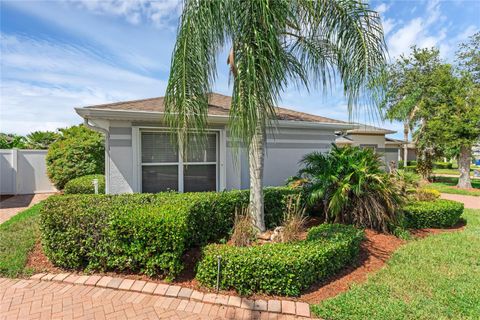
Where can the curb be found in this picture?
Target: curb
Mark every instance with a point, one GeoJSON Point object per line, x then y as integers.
{"type": "Point", "coordinates": [300, 309]}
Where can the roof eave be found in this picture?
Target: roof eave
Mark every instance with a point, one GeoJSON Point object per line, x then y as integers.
{"type": "Point", "coordinates": [138, 115]}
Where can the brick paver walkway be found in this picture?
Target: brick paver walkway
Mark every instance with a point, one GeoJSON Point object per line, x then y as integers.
{"type": "Point", "coordinates": [34, 299]}
{"type": "Point", "coordinates": [16, 204]}
{"type": "Point", "coordinates": [470, 202]}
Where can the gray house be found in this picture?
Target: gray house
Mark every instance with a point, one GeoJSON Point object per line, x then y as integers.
{"type": "Point", "coordinates": [365, 136]}
{"type": "Point", "coordinates": [140, 155]}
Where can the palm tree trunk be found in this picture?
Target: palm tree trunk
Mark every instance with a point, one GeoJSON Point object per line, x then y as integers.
{"type": "Point", "coordinates": [256, 160]}
{"type": "Point", "coordinates": [405, 146]}
{"type": "Point", "coordinates": [464, 168]}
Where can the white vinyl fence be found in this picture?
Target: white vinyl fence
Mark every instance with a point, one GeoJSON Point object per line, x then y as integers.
{"type": "Point", "coordinates": [24, 172]}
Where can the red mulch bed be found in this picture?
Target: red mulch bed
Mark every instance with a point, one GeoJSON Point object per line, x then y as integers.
{"type": "Point", "coordinates": [375, 251]}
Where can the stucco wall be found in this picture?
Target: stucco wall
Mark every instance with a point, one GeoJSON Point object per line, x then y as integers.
{"type": "Point", "coordinates": [285, 148]}
{"type": "Point", "coordinates": [368, 139]}
{"type": "Point", "coordinates": [121, 158]}
{"type": "Point", "coordinates": [24, 172]}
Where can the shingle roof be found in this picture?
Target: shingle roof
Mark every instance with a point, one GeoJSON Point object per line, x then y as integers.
{"type": "Point", "coordinates": [219, 105]}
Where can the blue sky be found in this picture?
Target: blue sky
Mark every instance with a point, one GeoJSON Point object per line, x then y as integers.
{"type": "Point", "coordinates": [59, 55]}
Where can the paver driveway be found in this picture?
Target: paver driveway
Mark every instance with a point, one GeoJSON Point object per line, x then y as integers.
{"type": "Point", "coordinates": [33, 299]}
{"type": "Point", "coordinates": [16, 204]}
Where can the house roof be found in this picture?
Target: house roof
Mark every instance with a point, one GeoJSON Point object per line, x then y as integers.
{"type": "Point", "coordinates": [343, 140]}
{"type": "Point", "coordinates": [367, 129]}
{"type": "Point", "coordinates": [219, 105]}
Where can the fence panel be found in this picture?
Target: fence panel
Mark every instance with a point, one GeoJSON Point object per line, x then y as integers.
{"type": "Point", "coordinates": [24, 172]}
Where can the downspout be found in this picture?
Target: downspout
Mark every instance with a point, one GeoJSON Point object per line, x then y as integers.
{"type": "Point", "coordinates": [107, 151]}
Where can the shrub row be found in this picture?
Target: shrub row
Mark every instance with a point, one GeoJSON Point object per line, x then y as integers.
{"type": "Point", "coordinates": [442, 165]}
{"type": "Point", "coordinates": [84, 185]}
{"type": "Point", "coordinates": [432, 214]}
{"type": "Point", "coordinates": [143, 233]}
{"type": "Point", "coordinates": [281, 268]}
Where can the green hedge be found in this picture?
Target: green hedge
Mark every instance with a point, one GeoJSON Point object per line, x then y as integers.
{"type": "Point", "coordinates": [281, 268]}
{"type": "Point", "coordinates": [410, 168]}
{"type": "Point", "coordinates": [84, 185]}
{"type": "Point", "coordinates": [442, 165]}
{"type": "Point", "coordinates": [143, 233]}
{"type": "Point", "coordinates": [432, 214]}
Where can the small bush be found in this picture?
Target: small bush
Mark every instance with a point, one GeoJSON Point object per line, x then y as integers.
{"type": "Point", "coordinates": [410, 168]}
{"type": "Point", "coordinates": [280, 268]}
{"type": "Point", "coordinates": [84, 185]}
{"type": "Point", "coordinates": [426, 194]}
{"type": "Point", "coordinates": [78, 152]}
{"type": "Point", "coordinates": [442, 165]}
{"type": "Point", "coordinates": [432, 214]}
{"type": "Point", "coordinates": [143, 233]}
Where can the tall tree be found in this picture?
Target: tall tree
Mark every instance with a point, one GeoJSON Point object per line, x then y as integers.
{"type": "Point", "coordinates": [406, 81]}
{"type": "Point", "coordinates": [273, 43]}
{"type": "Point", "coordinates": [468, 57]}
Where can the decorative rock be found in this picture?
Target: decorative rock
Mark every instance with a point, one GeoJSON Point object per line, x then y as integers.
{"type": "Point", "coordinates": [277, 235]}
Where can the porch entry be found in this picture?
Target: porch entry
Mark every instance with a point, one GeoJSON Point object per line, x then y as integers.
{"type": "Point", "coordinates": [164, 168]}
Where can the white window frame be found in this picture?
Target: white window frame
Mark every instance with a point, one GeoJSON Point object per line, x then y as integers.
{"type": "Point", "coordinates": [138, 164]}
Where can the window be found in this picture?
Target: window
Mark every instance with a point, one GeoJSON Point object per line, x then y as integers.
{"type": "Point", "coordinates": [163, 167]}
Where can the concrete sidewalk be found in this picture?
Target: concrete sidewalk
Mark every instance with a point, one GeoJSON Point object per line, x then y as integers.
{"type": "Point", "coordinates": [16, 204]}
{"type": "Point", "coordinates": [470, 202]}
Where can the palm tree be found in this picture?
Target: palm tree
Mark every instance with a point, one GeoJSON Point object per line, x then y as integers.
{"type": "Point", "coordinates": [352, 187]}
{"type": "Point", "coordinates": [274, 43]}
{"type": "Point", "coordinates": [41, 139]}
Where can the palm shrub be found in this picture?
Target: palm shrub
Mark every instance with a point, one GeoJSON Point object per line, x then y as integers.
{"type": "Point", "coordinates": [352, 187]}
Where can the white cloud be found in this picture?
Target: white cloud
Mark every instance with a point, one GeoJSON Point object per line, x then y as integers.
{"type": "Point", "coordinates": [388, 25]}
{"type": "Point", "coordinates": [42, 82]}
{"type": "Point", "coordinates": [135, 11]}
{"type": "Point", "coordinates": [382, 8]}
{"type": "Point", "coordinates": [418, 31]}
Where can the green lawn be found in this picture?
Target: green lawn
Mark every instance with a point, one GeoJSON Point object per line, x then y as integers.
{"type": "Point", "coordinates": [447, 185]}
{"type": "Point", "coordinates": [17, 238]}
{"type": "Point", "coordinates": [451, 171]}
{"type": "Point", "coordinates": [434, 278]}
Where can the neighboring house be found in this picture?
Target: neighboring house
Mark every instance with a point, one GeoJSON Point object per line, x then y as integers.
{"type": "Point", "coordinates": [140, 155]}
{"type": "Point", "coordinates": [366, 136]}
{"type": "Point", "coordinates": [411, 152]}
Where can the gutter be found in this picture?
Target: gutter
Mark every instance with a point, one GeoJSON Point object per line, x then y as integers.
{"type": "Point", "coordinates": [107, 151]}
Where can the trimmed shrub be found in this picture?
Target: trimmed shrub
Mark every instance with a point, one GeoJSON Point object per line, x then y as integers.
{"type": "Point", "coordinates": [427, 194]}
{"type": "Point", "coordinates": [84, 185]}
{"type": "Point", "coordinates": [412, 168]}
{"type": "Point", "coordinates": [281, 268]}
{"type": "Point", "coordinates": [78, 152]}
{"type": "Point", "coordinates": [432, 214]}
{"type": "Point", "coordinates": [146, 233]}
{"type": "Point", "coordinates": [442, 165]}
